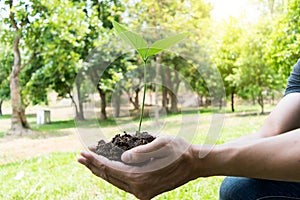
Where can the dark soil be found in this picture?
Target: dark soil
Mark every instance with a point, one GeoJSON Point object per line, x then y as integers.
{"type": "Point", "coordinates": [121, 143]}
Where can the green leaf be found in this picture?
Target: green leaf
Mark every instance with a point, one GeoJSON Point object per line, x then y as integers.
{"type": "Point", "coordinates": [165, 43]}
{"type": "Point", "coordinates": [133, 39]}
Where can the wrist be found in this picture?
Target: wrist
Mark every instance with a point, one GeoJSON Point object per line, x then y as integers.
{"type": "Point", "coordinates": [212, 160]}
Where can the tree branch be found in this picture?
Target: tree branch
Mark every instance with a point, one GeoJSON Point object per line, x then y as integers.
{"type": "Point", "coordinates": [12, 16]}
{"type": "Point", "coordinates": [30, 60]}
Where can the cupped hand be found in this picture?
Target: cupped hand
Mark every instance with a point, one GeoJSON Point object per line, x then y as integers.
{"type": "Point", "coordinates": [167, 163]}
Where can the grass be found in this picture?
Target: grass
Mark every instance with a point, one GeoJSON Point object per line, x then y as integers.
{"type": "Point", "coordinates": [64, 124]}
{"type": "Point", "coordinates": [59, 176]}
{"type": "Point", "coordinates": [53, 126]}
{"type": "Point", "coordinates": [5, 117]}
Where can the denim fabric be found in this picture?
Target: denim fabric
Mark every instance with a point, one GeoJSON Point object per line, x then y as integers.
{"type": "Point", "coordinates": [294, 80]}
{"type": "Point", "coordinates": [237, 188]}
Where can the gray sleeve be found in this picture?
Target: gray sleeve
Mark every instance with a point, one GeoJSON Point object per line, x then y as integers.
{"type": "Point", "coordinates": [294, 80]}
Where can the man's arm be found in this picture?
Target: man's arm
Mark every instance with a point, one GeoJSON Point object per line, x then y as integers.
{"type": "Point", "coordinates": [274, 158]}
{"type": "Point", "coordinates": [285, 117]}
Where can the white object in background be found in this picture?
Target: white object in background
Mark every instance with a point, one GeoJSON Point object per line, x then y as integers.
{"type": "Point", "coordinates": [43, 117]}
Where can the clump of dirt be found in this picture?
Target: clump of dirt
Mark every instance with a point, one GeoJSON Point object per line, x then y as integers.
{"type": "Point", "coordinates": [121, 143]}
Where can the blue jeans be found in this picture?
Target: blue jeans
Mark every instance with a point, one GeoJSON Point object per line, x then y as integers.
{"type": "Point", "coordinates": [236, 188]}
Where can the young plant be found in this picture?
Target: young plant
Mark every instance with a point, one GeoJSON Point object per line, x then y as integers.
{"type": "Point", "coordinates": [145, 51]}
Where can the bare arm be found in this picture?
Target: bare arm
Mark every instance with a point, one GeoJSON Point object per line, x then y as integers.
{"type": "Point", "coordinates": [268, 153]}
{"type": "Point", "coordinates": [274, 158]}
{"type": "Point", "coordinates": [271, 153]}
{"type": "Point", "coordinates": [285, 117]}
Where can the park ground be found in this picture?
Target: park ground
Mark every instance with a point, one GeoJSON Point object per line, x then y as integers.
{"type": "Point", "coordinates": [44, 165]}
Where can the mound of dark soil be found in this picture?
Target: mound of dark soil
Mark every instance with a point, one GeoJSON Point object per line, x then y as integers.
{"type": "Point", "coordinates": [121, 143]}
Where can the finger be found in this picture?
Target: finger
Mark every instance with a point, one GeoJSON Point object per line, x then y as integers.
{"type": "Point", "coordinates": [82, 161]}
{"type": "Point", "coordinates": [92, 148]}
{"type": "Point", "coordinates": [116, 169]}
{"type": "Point", "coordinates": [156, 149]}
{"type": "Point", "coordinates": [102, 173]}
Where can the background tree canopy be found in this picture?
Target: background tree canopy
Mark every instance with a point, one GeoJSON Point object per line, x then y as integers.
{"type": "Point", "coordinates": [47, 42]}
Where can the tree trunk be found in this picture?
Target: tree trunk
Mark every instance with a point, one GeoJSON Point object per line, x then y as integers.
{"type": "Point", "coordinates": [135, 105]}
{"type": "Point", "coordinates": [164, 90]}
{"type": "Point", "coordinates": [220, 103]}
{"type": "Point", "coordinates": [174, 101]}
{"type": "Point", "coordinates": [136, 99]}
{"type": "Point", "coordinates": [103, 115]}
{"type": "Point", "coordinates": [271, 4]}
{"type": "Point", "coordinates": [117, 102]}
{"type": "Point", "coordinates": [200, 102]}
{"type": "Point", "coordinates": [174, 107]}
{"type": "Point", "coordinates": [157, 69]}
{"type": "Point", "coordinates": [165, 100]}
{"type": "Point", "coordinates": [260, 101]}
{"type": "Point", "coordinates": [79, 116]}
{"type": "Point", "coordinates": [76, 107]}
{"type": "Point", "coordinates": [173, 94]}
{"type": "Point", "coordinates": [253, 100]}
{"type": "Point", "coordinates": [207, 101]}
{"type": "Point", "coordinates": [79, 110]}
{"type": "Point", "coordinates": [1, 101]}
{"type": "Point", "coordinates": [19, 124]}
{"type": "Point", "coordinates": [232, 101]}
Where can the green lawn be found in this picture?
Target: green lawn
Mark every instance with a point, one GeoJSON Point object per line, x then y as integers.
{"type": "Point", "coordinates": [59, 176]}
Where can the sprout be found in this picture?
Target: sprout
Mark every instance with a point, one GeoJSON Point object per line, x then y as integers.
{"type": "Point", "coordinates": [141, 46]}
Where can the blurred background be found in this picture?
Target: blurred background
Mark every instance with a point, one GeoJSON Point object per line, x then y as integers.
{"type": "Point", "coordinates": [44, 48]}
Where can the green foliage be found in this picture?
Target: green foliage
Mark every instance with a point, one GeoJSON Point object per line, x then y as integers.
{"type": "Point", "coordinates": [6, 61]}
{"type": "Point", "coordinates": [192, 17]}
{"type": "Point", "coordinates": [57, 36]}
{"type": "Point", "coordinates": [53, 45]}
{"type": "Point", "coordinates": [285, 39]}
{"type": "Point", "coordinates": [256, 58]}
{"type": "Point", "coordinates": [227, 52]}
{"type": "Point", "coordinates": [140, 44]}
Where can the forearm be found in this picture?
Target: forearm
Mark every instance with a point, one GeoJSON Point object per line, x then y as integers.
{"type": "Point", "coordinates": [276, 158]}
{"type": "Point", "coordinates": [284, 118]}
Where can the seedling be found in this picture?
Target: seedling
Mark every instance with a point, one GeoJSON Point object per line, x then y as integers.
{"type": "Point", "coordinates": [145, 51]}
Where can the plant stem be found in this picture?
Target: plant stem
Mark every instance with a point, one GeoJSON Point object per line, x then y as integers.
{"type": "Point", "coordinates": [143, 102]}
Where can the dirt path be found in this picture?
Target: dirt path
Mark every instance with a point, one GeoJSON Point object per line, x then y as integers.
{"type": "Point", "coordinates": [14, 149]}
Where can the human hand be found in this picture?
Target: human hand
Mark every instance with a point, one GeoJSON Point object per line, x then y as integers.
{"type": "Point", "coordinates": [167, 164]}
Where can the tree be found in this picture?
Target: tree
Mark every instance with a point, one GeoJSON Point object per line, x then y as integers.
{"type": "Point", "coordinates": [226, 53]}
{"type": "Point", "coordinates": [285, 39]}
{"type": "Point", "coordinates": [164, 16]}
{"type": "Point", "coordinates": [255, 77]}
{"type": "Point", "coordinates": [105, 67]}
{"type": "Point", "coordinates": [98, 16]}
{"type": "Point", "coordinates": [171, 72]}
{"type": "Point", "coordinates": [19, 124]}
{"type": "Point", "coordinates": [133, 80]}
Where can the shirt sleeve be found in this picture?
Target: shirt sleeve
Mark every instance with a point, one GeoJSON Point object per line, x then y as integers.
{"type": "Point", "coordinates": [293, 85]}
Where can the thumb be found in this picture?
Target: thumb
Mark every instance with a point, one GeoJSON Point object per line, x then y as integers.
{"type": "Point", "coordinates": [155, 149]}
